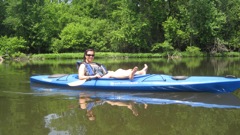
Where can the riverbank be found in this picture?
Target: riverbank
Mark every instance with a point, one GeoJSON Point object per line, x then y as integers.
{"type": "Point", "coordinates": [118, 55]}
{"type": "Point", "coordinates": [133, 55]}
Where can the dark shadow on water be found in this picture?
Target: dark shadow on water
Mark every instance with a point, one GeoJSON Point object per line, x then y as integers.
{"type": "Point", "coordinates": [194, 99]}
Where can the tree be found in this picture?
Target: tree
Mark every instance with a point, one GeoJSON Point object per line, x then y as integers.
{"type": "Point", "coordinates": [230, 32]}
{"type": "Point", "coordinates": [121, 25]}
{"type": "Point", "coordinates": [131, 29]}
{"type": "Point", "coordinates": [10, 46]}
{"type": "Point", "coordinates": [207, 21]}
{"type": "Point", "coordinates": [22, 16]}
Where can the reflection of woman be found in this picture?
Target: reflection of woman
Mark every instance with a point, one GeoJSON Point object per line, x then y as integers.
{"type": "Point", "coordinates": [86, 103]}
{"type": "Point", "coordinates": [129, 105]}
{"type": "Point", "coordinates": [1, 59]}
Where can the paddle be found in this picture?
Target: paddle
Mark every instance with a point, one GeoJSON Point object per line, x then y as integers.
{"type": "Point", "coordinates": [77, 83]}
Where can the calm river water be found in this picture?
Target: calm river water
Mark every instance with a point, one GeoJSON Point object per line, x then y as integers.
{"type": "Point", "coordinates": [29, 109]}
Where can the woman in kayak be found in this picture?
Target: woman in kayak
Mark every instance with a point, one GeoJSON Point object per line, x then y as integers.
{"type": "Point", "coordinates": [89, 69]}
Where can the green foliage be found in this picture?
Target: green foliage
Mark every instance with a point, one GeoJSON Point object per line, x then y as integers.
{"type": "Point", "coordinates": [4, 30]}
{"type": "Point", "coordinates": [72, 34]}
{"type": "Point", "coordinates": [89, 33]}
{"type": "Point", "coordinates": [120, 25]}
{"type": "Point", "coordinates": [11, 45]}
{"type": "Point", "coordinates": [193, 51]}
{"type": "Point", "coordinates": [230, 32]}
{"type": "Point", "coordinates": [207, 20]}
{"type": "Point", "coordinates": [174, 33]}
{"type": "Point", "coordinates": [163, 47]}
{"type": "Point", "coordinates": [131, 29]}
{"type": "Point", "coordinates": [171, 26]}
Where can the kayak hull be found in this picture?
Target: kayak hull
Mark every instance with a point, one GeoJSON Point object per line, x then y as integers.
{"type": "Point", "coordinates": [148, 82]}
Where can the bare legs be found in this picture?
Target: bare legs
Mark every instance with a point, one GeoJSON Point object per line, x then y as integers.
{"type": "Point", "coordinates": [134, 70]}
{"type": "Point", "coordinates": [121, 74]}
{"type": "Point", "coordinates": [143, 71]}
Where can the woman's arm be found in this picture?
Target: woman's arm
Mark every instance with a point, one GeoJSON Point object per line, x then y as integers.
{"type": "Point", "coordinates": [81, 73]}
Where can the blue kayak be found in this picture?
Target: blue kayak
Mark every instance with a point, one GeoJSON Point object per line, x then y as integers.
{"type": "Point", "coordinates": [148, 82]}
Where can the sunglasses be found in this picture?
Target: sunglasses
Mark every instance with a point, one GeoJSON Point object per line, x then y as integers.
{"type": "Point", "coordinates": [90, 55]}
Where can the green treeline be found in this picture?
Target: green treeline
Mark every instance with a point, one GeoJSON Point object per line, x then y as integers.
{"type": "Point", "coordinates": [129, 26]}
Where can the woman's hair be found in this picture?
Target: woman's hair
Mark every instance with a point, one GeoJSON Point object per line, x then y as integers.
{"type": "Point", "coordinates": [84, 58]}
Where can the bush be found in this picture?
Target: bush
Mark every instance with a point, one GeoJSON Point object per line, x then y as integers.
{"type": "Point", "coordinates": [193, 51]}
{"type": "Point", "coordinates": [164, 47]}
{"type": "Point", "coordinates": [11, 45]}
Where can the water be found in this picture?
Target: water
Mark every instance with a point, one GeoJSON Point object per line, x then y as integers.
{"type": "Point", "coordinates": [28, 109]}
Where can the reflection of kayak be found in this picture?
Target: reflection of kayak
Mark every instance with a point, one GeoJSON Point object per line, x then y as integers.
{"type": "Point", "coordinates": [148, 82]}
{"type": "Point", "coordinates": [195, 99]}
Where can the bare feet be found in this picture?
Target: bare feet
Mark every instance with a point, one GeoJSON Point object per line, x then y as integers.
{"type": "Point", "coordinates": [134, 70]}
{"type": "Point", "coordinates": [144, 70]}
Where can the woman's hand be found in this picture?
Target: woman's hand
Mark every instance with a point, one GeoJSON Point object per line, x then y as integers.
{"type": "Point", "coordinates": [97, 76]}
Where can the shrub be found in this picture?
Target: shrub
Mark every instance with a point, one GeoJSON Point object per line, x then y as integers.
{"type": "Point", "coordinates": [164, 47]}
{"type": "Point", "coordinates": [11, 45]}
{"type": "Point", "coordinates": [193, 51]}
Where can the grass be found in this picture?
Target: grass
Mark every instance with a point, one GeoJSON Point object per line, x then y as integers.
{"type": "Point", "coordinates": [128, 55]}
{"type": "Point", "coordinates": [97, 55]}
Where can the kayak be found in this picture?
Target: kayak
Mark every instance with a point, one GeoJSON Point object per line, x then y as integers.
{"type": "Point", "coordinates": [148, 82]}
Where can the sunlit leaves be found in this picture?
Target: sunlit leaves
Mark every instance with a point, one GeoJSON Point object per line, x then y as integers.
{"type": "Point", "coordinates": [121, 25]}
{"type": "Point", "coordinates": [162, 47]}
{"type": "Point", "coordinates": [9, 46]}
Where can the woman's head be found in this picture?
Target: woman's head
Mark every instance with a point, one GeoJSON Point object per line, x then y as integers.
{"type": "Point", "coordinates": [88, 55]}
